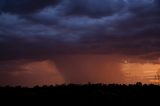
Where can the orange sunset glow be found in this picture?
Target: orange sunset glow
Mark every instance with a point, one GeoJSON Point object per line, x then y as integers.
{"type": "Point", "coordinates": [145, 73]}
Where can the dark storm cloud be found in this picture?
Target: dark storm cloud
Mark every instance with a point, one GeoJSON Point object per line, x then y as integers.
{"type": "Point", "coordinates": [129, 27]}
{"type": "Point", "coordinates": [94, 8]}
{"type": "Point", "coordinates": [12, 66]}
{"type": "Point", "coordinates": [25, 6]}
{"type": "Point", "coordinates": [157, 2]}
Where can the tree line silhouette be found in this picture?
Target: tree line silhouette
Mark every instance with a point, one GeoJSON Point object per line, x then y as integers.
{"type": "Point", "coordinates": [85, 94]}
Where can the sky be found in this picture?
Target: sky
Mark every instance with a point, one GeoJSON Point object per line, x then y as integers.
{"type": "Point", "coordinates": [45, 42]}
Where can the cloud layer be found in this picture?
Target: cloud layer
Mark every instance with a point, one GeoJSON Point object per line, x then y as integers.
{"type": "Point", "coordinates": [81, 26]}
{"type": "Point", "coordinates": [25, 6]}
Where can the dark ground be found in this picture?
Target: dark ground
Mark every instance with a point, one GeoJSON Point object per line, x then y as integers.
{"type": "Point", "coordinates": [88, 94]}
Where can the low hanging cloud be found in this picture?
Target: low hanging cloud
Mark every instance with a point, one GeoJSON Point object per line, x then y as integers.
{"type": "Point", "coordinates": [30, 74]}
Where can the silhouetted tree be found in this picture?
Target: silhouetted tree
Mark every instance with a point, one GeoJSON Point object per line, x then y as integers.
{"type": "Point", "coordinates": [157, 77]}
{"type": "Point", "coordinates": [90, 93]}
{"type": "Point", "coordinates": [139, 84]}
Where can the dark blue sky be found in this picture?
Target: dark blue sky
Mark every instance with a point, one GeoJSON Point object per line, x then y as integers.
{"type": "Point", "coordinates": [34, 30]}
